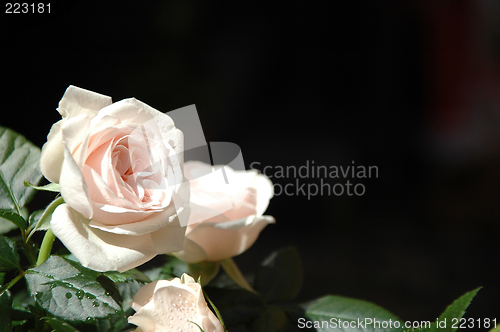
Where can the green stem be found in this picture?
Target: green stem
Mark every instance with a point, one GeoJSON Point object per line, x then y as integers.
{"type": "Point", "coordinates": [217, 313]}
{"type": "Point", "coordinates": [12, 282]}
{"type": "Point", "coordinates": [234, 273]}
{"type": "Point", "coordinates": [46, 247]}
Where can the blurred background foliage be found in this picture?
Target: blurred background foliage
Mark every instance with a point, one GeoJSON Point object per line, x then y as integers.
{"type": "Point", "coordinates": [409, 86]}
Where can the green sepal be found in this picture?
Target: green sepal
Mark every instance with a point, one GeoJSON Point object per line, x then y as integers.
{"type": "Point", "coordinates": [206, 270]}
{"type": "Point", "coordinates": [41, 221]}
{"type": "Point", "coordinates": [53, 187]}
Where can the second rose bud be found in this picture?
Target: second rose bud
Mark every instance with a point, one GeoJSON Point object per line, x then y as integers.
{"type": "Point", "coordinates": [227, 211]}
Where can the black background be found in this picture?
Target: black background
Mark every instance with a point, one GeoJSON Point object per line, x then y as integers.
{"type": "Point", "coordinates": [409, 87]}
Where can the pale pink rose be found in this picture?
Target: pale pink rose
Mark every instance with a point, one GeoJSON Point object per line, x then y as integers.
{"type": "Point", "coordinates": [227, 208]}
{"type": "Point", "coordinates": [173, 305]}
{"type": "Point", "coordinates": [119, 167]}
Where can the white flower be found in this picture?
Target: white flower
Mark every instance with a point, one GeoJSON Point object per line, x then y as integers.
{"type": "Point", "coordinates": [226, 211]}
{"type": "Point", "coordinates": [119, 167]}
{"type": "Point", "coordinates": [173, 305]}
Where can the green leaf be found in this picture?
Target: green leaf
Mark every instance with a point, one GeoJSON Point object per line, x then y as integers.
{"type": "Point", "coordinates": [116, 323]}
{"type": "Point", "coordinates": [273, 319]}
{"type": "Point", "coordinates": [72, 292]}
{"type": "Point", "coordinates": [19, 162]}
{"type": "Point", "coordinates": [280, 275]}
{"type": "Point", "coordinates": [59, 326]}
{"type": "Point", "coordinates": [236, 306]}
{"type": "Point", "coordinates": [127, 290]}
{"type": "Point", "coordinates": [457, 310]}
{"type": "Point", "coordinates": [19, 313]}
{"type": "Point", "coordinates": [449, 320]}
{"type": "Point", "coordinates": [496, 329]}
{"type": "Point", "coordinates": [42, 221]}
{"type": "Point", "coordinates": [206, 270]}
{"type": "Point", "coordinates": [16, 219]}
{"type": "Point", "coordinates": [5, 310]}
{"type": "Point", "coordinates": [6, 226]}
{"type": "Point", "coordinates": [34, 218]}
{"type": "Point", "coordinates": [127, 283]}
{"type": "Point", "coordinates": [9, 258]}
{"type": "Point", "coordinates": [174, 267]}
{"type": "Point", "coordinates": [130, 275]}
{"type": "Point", "coordinates": [54, 187]}
{"type": "Point", "coordinates": [337, 313]}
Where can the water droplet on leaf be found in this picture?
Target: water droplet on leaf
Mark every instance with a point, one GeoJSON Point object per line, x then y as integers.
{"type": "Point", "coordinates": [80, 294]}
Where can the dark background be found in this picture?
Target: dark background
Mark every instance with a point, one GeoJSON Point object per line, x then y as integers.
{"type": "Point", "coordinates": [411, 87]}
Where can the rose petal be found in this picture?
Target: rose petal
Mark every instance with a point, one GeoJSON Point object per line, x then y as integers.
{"type": "Point", "coordinates": [111, 209]}
{"type": "Point", "coordinates": [171, 305]}
{"type": "Point", "coordinates": [154, 221]}
{"type": "Point", "coordinates": [170, 238]}
{"type": "Point", "coordinates": [220, 193]}
{"type": "Point", "coordinates": [98, 250]}
{"type": "Point", "coordinates": [192, 253]}
{"type": "Point", "coordinates": [200, 213]}
{"type": "Point", "coordinates": [73, 186]}
{"type": "Point", "coordinates": [75, 101]}
{"type": "Point", "coordinates": [52, 156]}
{"type": "Point", "coordinates": [154, 315]}
{"type": "Point", "coordinates": [264, 190]}
{"type": "Point", "coordinates": [144, 295]}
{"type": "Point", "coordinates": [224, 239]}
{"type": "Point", "coordinates": [139, 112]}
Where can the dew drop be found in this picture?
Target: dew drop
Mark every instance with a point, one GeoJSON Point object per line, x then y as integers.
{"type": "Point", "coordinates": [69, 295]}
{"type": "Point", "coordinates": [95, 304]}
{"type": "Point", "coordinates": [80, 294]}
{"type": "Point", "coordinates": [108, 293]}
{"type": "Point", "coordinates": [90, 296]}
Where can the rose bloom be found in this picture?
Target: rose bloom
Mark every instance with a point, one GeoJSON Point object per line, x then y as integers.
{"type": "Point", "coordinates": [173, 305]}
{"type": "Point", "coordinates": [119, 167]}
{"type": "Point", "coordinates": [226, 211]}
